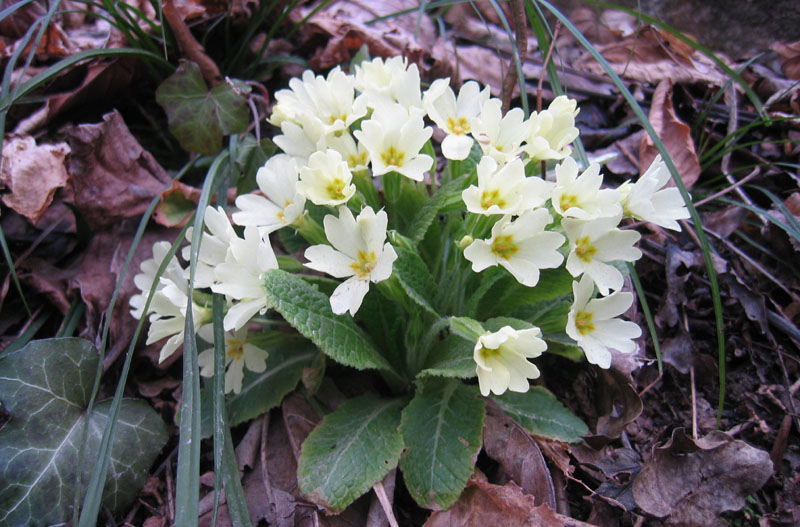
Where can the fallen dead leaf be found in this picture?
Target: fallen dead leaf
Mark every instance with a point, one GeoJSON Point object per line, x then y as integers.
{"type": "Point", "coordinates": [345, 22]}
{"type": "Point", "coordinates": [676, 284]}
{"type": "Point", "coordinates": [610, 26]}
{"type": "Point", "coordinates": [674, 133]}
{"type": "Point", "coordinates": [112, 176]}
{"type": "Point", "coordinates": [519, 455]}
{"type": "Point", "coordinates": [32, 173]}
{"type": "Point", "coordinates": [482, 503]}
{"type": "Point", "coordinates": [691, 482]}
{"type": "Point", "coordinates": [618, 404]}
{"type": "Point", "coordinates": [789, 54]}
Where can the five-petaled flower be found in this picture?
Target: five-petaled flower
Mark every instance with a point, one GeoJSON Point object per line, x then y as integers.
{"type": "Point", "coordinates": [501, 359]}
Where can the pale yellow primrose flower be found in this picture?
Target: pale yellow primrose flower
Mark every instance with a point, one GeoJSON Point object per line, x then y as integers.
{"type": "Point", "coordinates": [327, 179]}
{"type": "Point", "coordinates": [552, 130]}
{"type": "Point", "coordinates": [283, 204]}
{"type": "Point", "coordinates": [300, 142]}
{"type": "Point", "coordinates": [593, 243]}
{"type": "Point", "coordinates": [356, 155]}
{"type": "Point", "coordinates": [502, 359]}
{"type": "Point", "coordinates": [454, 116]}
{"type": "Point", "coordinates": [144, 280]}
{"type": "Point", "coordinates": [358, 252]}
{"type": "Point", "coordinates": [330, 101]}
{"type": "Point", "coordinates": [505, 189]}
{"type": "Point", "coordinates": [394, 139]}
{"type": "Point", "coordinates": [214, 245]}
{"type": "Point", "coordinates": [239, 277]}
{"type": "Point", "coordinates": [580, 196]}
{"type": "Point", "coordinates": [500, 136]}
{"type": "Point", "coordinates": [521, 246]}
{"type": "Point", "coordinates": [391, 81]}
{"type": "Point", "coordinates": [238, 354]}
{"type": "Point", "coordinates": [592, 323]}
{"type": "Point", "coordinates": [647, 199]}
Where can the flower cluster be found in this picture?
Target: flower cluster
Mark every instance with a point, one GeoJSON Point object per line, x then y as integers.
{"type": "Point", "coordinates": [340, 131]}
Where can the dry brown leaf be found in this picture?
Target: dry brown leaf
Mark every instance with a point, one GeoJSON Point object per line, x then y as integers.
{"type": "Point", "coordinates": [653, 56]}
{"type": "Point", "coordinates": [610, 26]}
{"type": "Point", "coordinates": [482, 503]}
{"type": "Point", "coordinates": [789, 54]}
{"type": "Point", "coordinates": [345, 22]}
{"type": "Point", "coordinates": [691, 482]}
{"type": "Point", "coordinates": [674, 133]}
{"type": "Point", "coordinates": [32, 173]}
{"type": "Point", "coordinates": [111, 176]}
{"type": "Point", "coordinates": [519, 455]}
{"type": "Point", "coordinates": [618, 404]}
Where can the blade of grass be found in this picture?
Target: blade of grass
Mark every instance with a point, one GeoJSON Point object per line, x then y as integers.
{"type": "Point", "coordinates": [703, 240]}
{"type": "Point", "coordinates": [12, 269]}
{"type": "Point", "coordinates": [648, 315]}
{"type": "Point", "coordinates": [29, 332]}
{"type": "Point", "coordinates": [226, 469]}
{"type": "Point", "coordinates": [523, 92]}
{"type": "Point", "coordinates": [94, 491]}
{"type": "Point", "coordinates": [187, 493]}
{"type": "Point", "coordinates": [71, 319]}
{"type": "Point", "coordinates": [794, 233]}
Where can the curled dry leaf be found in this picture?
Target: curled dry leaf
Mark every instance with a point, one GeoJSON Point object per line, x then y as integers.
{"type": "Point", "coordinates": [482, 503]}
{"type": "Point", "coordinates": [111, 176]}
{"type": "Point", "coordinates": [519, 455]}
{"type": "Point", "coordinates": [789, 54]}
{"type": "Point", "coordinates": [675, 134]}
{"type": "Point", "coordinates": [32, 173]}
{"type": "Point", "coordinates": [345, 21]}
{"type": "Point", "coordinates": [692, 482]}
{"type": "Point", "coordinates": [618, 404]}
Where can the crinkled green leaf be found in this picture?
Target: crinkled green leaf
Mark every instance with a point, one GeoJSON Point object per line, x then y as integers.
{"type": "Point", "coordinates": [309, 312]}
{"type": "Point", "coordinates": [46, 386]}
{"type": "Point", "coordinates": [350, 450]}
{"type": "Point", "coordinates": [415, 278]}
{"type": "Point", "coordinates": [539, 412]}
{"type": "Point", "coordinates": [263, 391]}
{"type": "Point", "coordinates": [442, 432]}
{"type": "Point", "coordinates": [508, 295]}
{"type": "Point", "coordinates": [199, 117]}
{"type": "Point", "coordinates": [451, 357]}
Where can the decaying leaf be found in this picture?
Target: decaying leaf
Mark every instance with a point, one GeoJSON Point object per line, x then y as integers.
{"type": "Point", "coordinates": [692, 482]}
{"type": "Point", "coordinates": [618, 404]}
{"type": "Point", "coordinates": [789, 53]}
{"type": "Point", "coordinates": [111, 176]}
{"type": "Point", "coordinates": [517, 452]}
{"type": "Point", "coordinates": [32, 173]}
{"type": "Point", "coordinates": [482, 503]}
{"type": "Point", "coordinates": [674, 133]}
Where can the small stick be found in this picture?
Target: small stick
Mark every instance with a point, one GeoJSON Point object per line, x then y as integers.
{"type": "Point", "coordinates": [724, 191]}
{"type": "Point", "coordinates": [380, 492]}
{"type": "Point", "coordinates": [694, 404]}
{"type": "Point", "coordinates": [189, 45]}
{"type": "Point", "coordinates": [521, 31]}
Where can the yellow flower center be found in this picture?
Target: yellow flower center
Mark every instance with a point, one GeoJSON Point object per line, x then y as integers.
{"type": "Point", "coordinates": [335, 188]}
{"type": "Point", "coordinates": [567, 201]}
{"type": "Point", "coordinates": [584, 249]}
{"type": "Point", "coordinates": [458, 126]}
{"type": "Point", "coordinates": [492, 197]}
{"type": "Point", "coordinates": [392, 156]}
{"type": "Point", "coordinates": [583, 322]}
{"type": "Point", "coordinates": [504, 246]}
{"type": "Point", "coordinates": [487, 353]}
{"type": "Point", "coordinates": [235, 349]}
{"type": "Point", "coordinates": [365, 264]}
{"type": "Point", "coordinates": [343, 117]}
{"type": "Point", "coordinates": [355, 160]}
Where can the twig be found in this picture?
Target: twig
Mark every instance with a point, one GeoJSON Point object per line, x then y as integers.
{"type": "Point", "coordinates": [521, 37]}
{"type": "Point", "coordinates": [380, 492]}
{"type": "Point", "coordinates": [539, 88]}
{"type": "Point", "coordinates": [189, 45]}
{"type": "Point", "coordinates": [694, 403]}
{"type": "Point", "coordinates": [724, 191]}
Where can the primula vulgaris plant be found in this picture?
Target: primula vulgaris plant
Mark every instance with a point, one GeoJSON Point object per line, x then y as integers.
{"type": "Point", "coordinates": [436, 277]}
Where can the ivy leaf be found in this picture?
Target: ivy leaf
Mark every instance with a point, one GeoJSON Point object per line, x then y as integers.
{"type": "Point", "coordinates": [46, 387]}
{"type": "Point", "coordinates": [539, 412]}
{"type": "Point", "coordinates": [451, 357]}
{"type": "Point", "coordinates": [441, 429]}
{"type": "Point", "coordinates": [263, 391]}
{"type": "Point", "coordinates": [309, 312]}
{"type": "Point", "coordinates": [199, 117]}
{"type": "Point", "coordinates": [415, 278]}
{"type": "Point", "coordinates": [351, 449]}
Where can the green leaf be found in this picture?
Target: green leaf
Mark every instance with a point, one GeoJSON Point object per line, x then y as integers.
{"type": "Point", "coordinates": [309, 312]}
{"type": "Point", "coordinates": [508, 295]}
{"type": "Point", "coordinates": [442, 431]}
{"type": "Point", "coordinates": [415, 278]}
{"type": "Point", "coordinates": [351, 449]}
{"type": "Point", "coordinates": [539, 412]}
{"type": "Point", "coordinates": [263, 391]}
{"type": "Point", "coordinates": [467, 328]}
{"type": "Point", "coordinates": [451, 357]}
{"type": "Point", "coordinates": [446, 196]}
{"type": "Point", "coordinates": [199, 117]}
{"type": "Point", "coordinates": [46, 386]}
